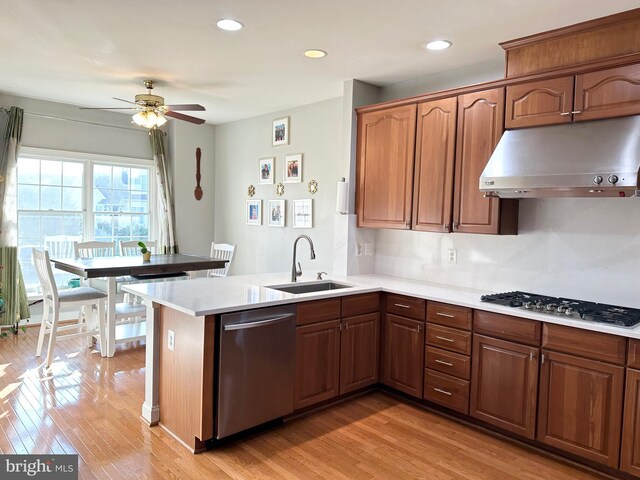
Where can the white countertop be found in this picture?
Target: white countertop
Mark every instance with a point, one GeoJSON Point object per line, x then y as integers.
{"type": "Point", "coordinates": [207, 296]}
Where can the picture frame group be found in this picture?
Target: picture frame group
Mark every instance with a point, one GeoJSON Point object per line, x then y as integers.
{"type": "Point", "coordinates": [291, 169]}
{"type": "Point", "coordinates": [302, 213]}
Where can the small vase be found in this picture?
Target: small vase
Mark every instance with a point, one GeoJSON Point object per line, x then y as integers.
{"type": "Point", "coordinates": [146, 257]}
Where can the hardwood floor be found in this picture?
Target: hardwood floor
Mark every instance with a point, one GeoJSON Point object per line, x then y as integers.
{"type": "Point", "coordinates": [90, 405]}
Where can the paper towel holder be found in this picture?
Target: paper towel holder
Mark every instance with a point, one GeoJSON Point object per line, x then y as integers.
{"type": "Point", "coordinates": [342, 196]}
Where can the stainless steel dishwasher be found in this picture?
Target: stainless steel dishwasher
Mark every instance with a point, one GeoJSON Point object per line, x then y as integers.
{"type": "Point", "coordinates": [257, 361]}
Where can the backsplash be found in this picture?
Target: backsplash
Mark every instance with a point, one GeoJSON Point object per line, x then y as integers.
{"type": "Point", "coordinates": [581, 248]}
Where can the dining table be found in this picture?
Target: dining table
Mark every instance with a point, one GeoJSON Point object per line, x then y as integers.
{"type": "Point", "coordinates": [134, 269]}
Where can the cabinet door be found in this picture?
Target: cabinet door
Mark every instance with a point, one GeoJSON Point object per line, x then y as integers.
{"type": "Point", "coordinates": [317, 363]}
{"type": "Point", "coordinates": [608, 93]}
{"type": "Point", "coordinates": [480, 119]}
{"type": "Point", "coordinates": [435, 155]}
{"type": "Point", "coordinates": [546, 102]}
{"type": "Point", "coordinates": [505, 370]}
{"type": "Point", "coordinates": [630, 452]}
{"type": "Point", "coordinates": [581, 406]}
{"type": "Point", "coordinates": [386, 141]}
{"type": "Point", "coordinates": [359, 352]}
{"type": "Point", "coordinates": [404, 354]}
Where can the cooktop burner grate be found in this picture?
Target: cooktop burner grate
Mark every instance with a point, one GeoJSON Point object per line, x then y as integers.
{"type": "Point", "coordinates": [566, 307]}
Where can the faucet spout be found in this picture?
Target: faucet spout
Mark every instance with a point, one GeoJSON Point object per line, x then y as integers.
{"type": "Point", "coordinates": [296, 272]}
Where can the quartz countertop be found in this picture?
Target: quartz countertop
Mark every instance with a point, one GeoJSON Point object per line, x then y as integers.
{"type": "Point", "coordinates": [208, 296]}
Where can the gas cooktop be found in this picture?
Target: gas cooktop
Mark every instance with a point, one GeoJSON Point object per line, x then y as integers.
{"type": "Point", "coordinates": [566, 307]}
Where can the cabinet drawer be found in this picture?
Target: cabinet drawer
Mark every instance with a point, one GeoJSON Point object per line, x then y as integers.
{"type": "Point", "coordinates": [507, 327]}
{"type": "Point", "coordinates": [448, 362]}
{"type": "Point", "coordinates": [317, 311]}
{"type": "Point", "coordinates": [633, 357]}
{"type": "Point", "coordinates": [585, 343]}
{"type": "Point", "coordinates": [360, 304]}
{"type": "Point", "coordinates": [406, 306]}
{"type": "Point", "coordinates": [449, 339]}
{"type": "Point", "coordinates": [446, 390]}
{"type": "Point", "coordinates": [449, 315]}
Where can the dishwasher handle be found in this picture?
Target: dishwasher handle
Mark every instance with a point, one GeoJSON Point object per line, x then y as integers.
{"type": "Point", "coordinates": [259, 323]}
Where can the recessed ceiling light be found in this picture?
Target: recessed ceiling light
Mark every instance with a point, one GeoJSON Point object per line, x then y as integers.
{"type": "Point", "coordinates": [229, 24]}
{"type": "Point", "coordinates": [315, 53]}
{"type": "Point", "coordinates": [438, 45]}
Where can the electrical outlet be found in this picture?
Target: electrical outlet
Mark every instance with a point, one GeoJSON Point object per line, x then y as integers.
{"type": "Point", "coordinates": [368, 249]}
{"type": "Point", "coordinates": [358, 249]}
{"type": "Point", "coordinates": [453, 256]}
{"type": "Point", "coordinates": [171, 341]}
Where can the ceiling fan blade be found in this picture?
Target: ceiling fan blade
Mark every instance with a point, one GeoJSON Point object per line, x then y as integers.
{"type": "Point", "coordinates": [123, 100]}
{"type": "Point", "coordinates": [107, 108]}
{"type": "Point", "coordinates": [182, 116]}
{"type": "Point", "coordinates": [186, 107]}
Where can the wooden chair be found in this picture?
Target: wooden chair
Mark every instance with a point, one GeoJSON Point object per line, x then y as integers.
{"type": "Point", "coordinates": [53, 300]}
{"type": "Point", "coordinates": [94, 249]}
{"type": "Point", "coordinates": [131, 248]}
{"type": "Point", "coordinates": [60, 246]}
{"type": "Point", "coordinates": [222, 251]}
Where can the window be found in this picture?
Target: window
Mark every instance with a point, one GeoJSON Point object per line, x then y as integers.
{"type": "Point", "coordinates": [54, 190]}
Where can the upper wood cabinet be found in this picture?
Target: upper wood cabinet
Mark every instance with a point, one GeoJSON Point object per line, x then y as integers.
{"type": "Point", "coordinates": [480, 120]}
{"type": "Point", "coordinates": [581, 406]}
{"type": "Point", "coordinates": [544, 102]}
{"type": "Point", "coordinates": [386, 141]}
{"type": "Point", "coordinates": [614, 92]}
{"type": "Point", "coordinates": [435, 156]}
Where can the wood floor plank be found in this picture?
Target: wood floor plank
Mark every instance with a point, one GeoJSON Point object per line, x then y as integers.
{"type": "Point", "coordinates": [90, 405]}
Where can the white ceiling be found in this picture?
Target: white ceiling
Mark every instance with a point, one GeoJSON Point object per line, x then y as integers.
{"type": "Point", "coordinates": [84, 52]}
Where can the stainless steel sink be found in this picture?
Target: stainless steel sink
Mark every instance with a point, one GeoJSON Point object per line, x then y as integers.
{"type": "Point", "coordinates": [308, 287]}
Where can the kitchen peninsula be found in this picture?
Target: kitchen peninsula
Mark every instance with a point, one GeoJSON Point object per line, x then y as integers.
{"type": "Point", "coordinates": [480, 352]}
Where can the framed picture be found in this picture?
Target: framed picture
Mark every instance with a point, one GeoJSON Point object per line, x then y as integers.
{"type": "Point", "coordinates": [293, 168]}
{"type": "Point", "coordinates": [280, 132]}
{"type": "Point", "coordinates": [303, 213]}
{"type": "Point", "coordinates": [276, 213]}
{"type": "Point", "coordinates": [254, 212]}
{"type": "Point", "coordinates": [266, 170]}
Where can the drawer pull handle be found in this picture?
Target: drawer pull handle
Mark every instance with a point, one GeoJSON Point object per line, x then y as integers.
{"type": "Point", "coordinates": [448, 364]}
{"type": "Point", "coordinates": [442, 391]}
{"type": "Point", "coordinates": [444, 338]}
{"type": "Point", "coordinates": [445, 315]}
{"type": "Point", "coordinates": [401, 305]}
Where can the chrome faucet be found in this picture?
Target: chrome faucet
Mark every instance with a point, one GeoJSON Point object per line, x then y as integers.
{"type": "Point", "coordinates": [296, 272]}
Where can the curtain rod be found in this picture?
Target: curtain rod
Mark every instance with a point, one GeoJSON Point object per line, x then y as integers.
{"type": "Point", "coordinates": [52, 117]}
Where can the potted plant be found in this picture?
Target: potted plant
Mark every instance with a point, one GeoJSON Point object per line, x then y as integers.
{"type": "Point", "coordinates": [146, 253]}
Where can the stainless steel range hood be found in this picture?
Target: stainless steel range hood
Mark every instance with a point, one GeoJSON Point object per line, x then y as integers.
{"type": "Point", "coordinates": [583, 159]}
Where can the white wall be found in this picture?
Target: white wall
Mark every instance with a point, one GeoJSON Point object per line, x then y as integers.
{"type": "Point", "coordinates": [316, 132]}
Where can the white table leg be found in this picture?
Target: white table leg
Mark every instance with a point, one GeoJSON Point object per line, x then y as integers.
{"type": "Point", "coordinates": [150, 407]}
{"type": "Point", "coordinates": [111, 316]}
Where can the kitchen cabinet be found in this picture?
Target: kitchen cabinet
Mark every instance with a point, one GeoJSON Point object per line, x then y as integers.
{"type": "Point", "coordinates": [359, 340]}
{"type": "Point", "coordinates": [630, 452]}
{"type": "Point", "coordinates": [386, 142]}
{"type": "Point", "coordinates": [434, 164]}
{"type": "Point", "coordinates": [505, 370]}
{"type": "Point", "coordinates": [580, 407]}
{"type": "Point", "coordinates": [403, 354]}
{"type": "Point", "coordinates": [480, 121]}
{"type": "Point", "coordinates": [614, 92]}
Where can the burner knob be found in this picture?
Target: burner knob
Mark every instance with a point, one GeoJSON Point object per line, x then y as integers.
{"type": "Point", "coordinates": [597, 179]}
{"type": "Point", "coordinates": [539, 306]}
{"type": "Point", "coordinates": [561, 308]}
{"type": "Point", "coordinates": [568, 312]}
{"type": "Point", "coordinates": [613, 179]}
{"type": "Point", "coordinates": [551, 307]}
{"type": "Point", "coordinates": [528, 305]}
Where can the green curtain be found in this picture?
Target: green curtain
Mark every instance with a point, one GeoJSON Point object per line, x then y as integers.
{"type": "Point", "coordinates": [16, 305]}
{"type": "Point", "coordinates": [167, 241]}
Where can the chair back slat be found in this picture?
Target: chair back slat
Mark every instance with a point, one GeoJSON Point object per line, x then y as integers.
{"type": "Point", "coordinates": [93, 249]}
{"type": "Point", "coordinates": [45, 275]}
{"type": "Point", "coordinates": [60, 246]}
{"type": "Point", "coordinates": [130, 248]}
{"type": "Point", "coordinates": [222, 251]}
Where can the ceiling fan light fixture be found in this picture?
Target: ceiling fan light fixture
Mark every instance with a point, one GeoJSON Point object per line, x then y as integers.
{"type": "Point", "coordinates": [229, 24]}
{"type": "Point", "coordinates": [148, 119]}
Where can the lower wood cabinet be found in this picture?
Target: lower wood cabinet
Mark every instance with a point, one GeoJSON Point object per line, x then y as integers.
{"type": "Point", "coordinates": [630, 452]}
{"type": "Point", "coordinates": [581, 406]}
{"type": "Point", "coordinates": [359, 342]}
{"type": "Point", "coordinates": [504, 384]}
{"type": "Point", "coordinates": [404, 354]}
{"type": "Point", "coordinates": [317, 363]}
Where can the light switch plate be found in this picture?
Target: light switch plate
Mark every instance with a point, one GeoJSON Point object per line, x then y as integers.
{"type": "Point", "coordinates": [171, 340]}
{"type": "Point", "coordinates": [368, 249]}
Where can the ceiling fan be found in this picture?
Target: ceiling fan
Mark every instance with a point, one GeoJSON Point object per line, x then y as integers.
{"type": "Point", "coordinates": [152, 109]}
